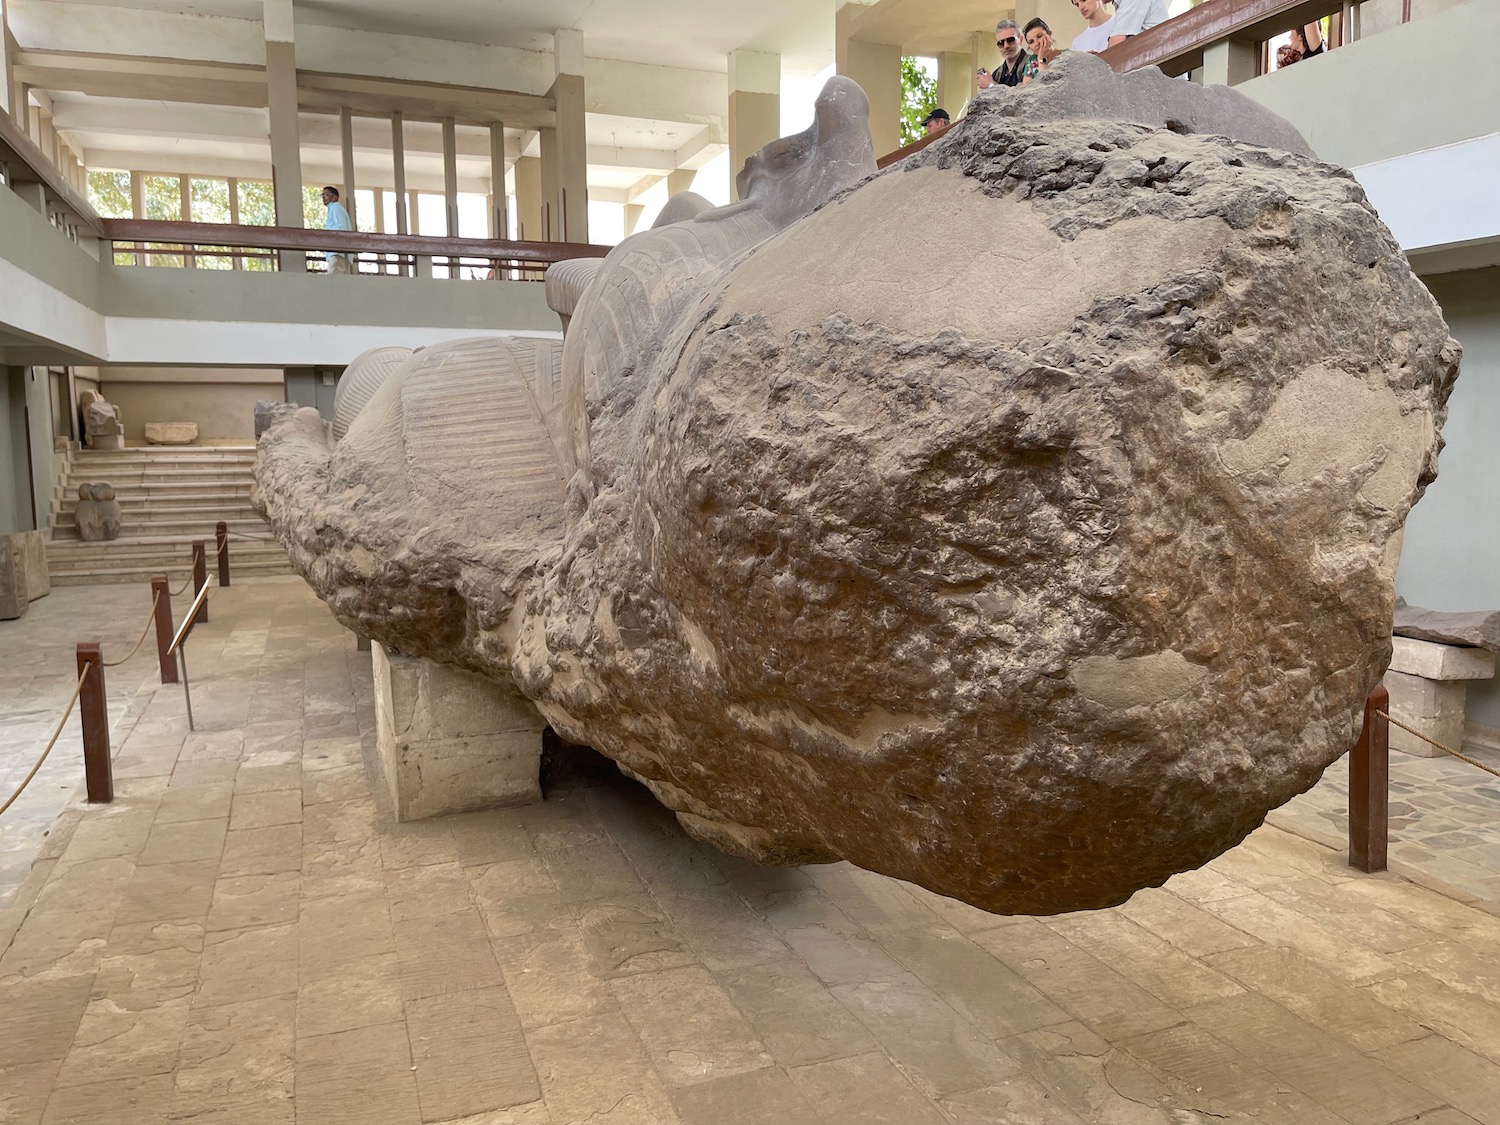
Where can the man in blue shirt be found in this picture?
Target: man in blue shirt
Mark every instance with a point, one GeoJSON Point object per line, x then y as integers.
{"type": "Point", "coordinates": [337, 218]}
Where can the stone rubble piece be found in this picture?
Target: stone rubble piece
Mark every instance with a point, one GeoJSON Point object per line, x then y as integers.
{"type": "Point", "coordinates": [1030, 552]}
{"type": "Point", "coordinates": [97, 513]}
{"type": "Point", "coordinates": [1479, 629]}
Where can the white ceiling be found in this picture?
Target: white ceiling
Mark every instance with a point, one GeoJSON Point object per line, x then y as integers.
{"type": "Point", "coordinates": [698, 34]}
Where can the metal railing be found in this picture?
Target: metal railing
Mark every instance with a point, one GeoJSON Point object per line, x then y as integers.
{"type": "Point", "coordinates": [195, 245]}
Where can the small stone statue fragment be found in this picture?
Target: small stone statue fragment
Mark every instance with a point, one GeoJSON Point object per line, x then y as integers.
{"type": "Point", "coordinates": [98, 512]}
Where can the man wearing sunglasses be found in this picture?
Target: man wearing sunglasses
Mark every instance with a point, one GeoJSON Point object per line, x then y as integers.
{"type": "Point", "coordinates": [1008, 39]}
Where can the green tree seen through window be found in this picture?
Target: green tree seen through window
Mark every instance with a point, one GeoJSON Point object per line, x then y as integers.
{"type": "Point", "coordinates": [918, 98]}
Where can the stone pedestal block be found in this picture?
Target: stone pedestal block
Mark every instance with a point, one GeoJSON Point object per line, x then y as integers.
{"type": "Point", "coordinates": [31, 551]}
{"type": "Point", "coordinates": [452, 741]}
{"type": "Point", "coordinates": [171, 433]}
{"type": "Point", "coordinates": [13, 596]}
{"type": "Point", "coordinates": [1428, 686]}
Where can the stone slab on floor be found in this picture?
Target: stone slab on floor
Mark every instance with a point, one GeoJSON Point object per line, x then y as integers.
{"type": "Point", "coordinates": [308, 958]}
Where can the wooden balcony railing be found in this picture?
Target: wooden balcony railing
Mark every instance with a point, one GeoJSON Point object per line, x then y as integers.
{"type": "Point", "coordinates": [221, 245]}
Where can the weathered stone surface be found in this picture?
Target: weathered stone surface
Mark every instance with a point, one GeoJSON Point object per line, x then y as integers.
{"type": "Point", "coordinates": [1029, 550]}
{"type": "Point", "coordinates": [366, 374]}
{"type": "Point", "coordinates": [102, 426]}
{"type": "Point", "coordinates": [1440, 662]}
{"type": "Point", "coordinates": [97, 513]}
{"type": "Point", "coordinates": [263, 410]}
{"type": "Point", "coordinates": [13, 594]}
{"type": "Point", "coordinates": [33, 556]}
{"type": "Point", "coordinates": [171, 433]}
{"type": "Point", "coordinates": [1480, 629]}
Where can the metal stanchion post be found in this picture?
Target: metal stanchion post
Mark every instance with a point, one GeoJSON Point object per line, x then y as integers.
{"type": "Point", "coordinates": [1369, 787]}
{"type": "Point", "coordinates": [221, 541]}
{"type": "Point", "coordinates": [93, 715]}
{"type": "Point", "coordinates": [163, 597]}
{"type": "Point", "coordinates": [200, 579]}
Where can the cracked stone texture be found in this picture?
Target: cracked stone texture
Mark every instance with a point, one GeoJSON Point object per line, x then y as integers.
{"type": "Point", "coordinates": [1019, 521]}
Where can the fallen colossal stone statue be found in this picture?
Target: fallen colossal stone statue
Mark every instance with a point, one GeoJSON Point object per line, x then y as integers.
{"type": "Point", "coordinates": [1019, 521]}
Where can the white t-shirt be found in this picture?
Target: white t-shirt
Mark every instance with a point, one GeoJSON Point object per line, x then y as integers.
{"type": "Point", "coordinates": [1095, 38]}
{"type": "Point", "coordinates": [1135, 16]}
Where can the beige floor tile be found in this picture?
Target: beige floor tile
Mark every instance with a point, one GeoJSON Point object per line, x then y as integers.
{"type": "Point", "coordinates": [1312, 1061]}
{"type": "Point", "coordinates": [1183, 925]}
{"type": "Point", "coordinates": [1464, 1080]}
{"type": "Point", "coordinates": [237, 1064]}
{"type": "Point", "coordinates": [937, 1048]}
{"type": "Point", "coordinates": [551, 977]}
{"type": "Point", "coordinates": [756, 1097]}
{"type": "Point", "coordinates": [722, 930]}
{"type": "Point", "coordinates": [792, 1012]}
{"type": "Point", "coordinates": [252, 964]}
{"type": "Point", "coordinates": [1464, 1017]}
{"type": "Point", "coordinates": [116, 1042]}
{"type": "Point", "coordinates": [39, 1018]}
{"type": "Point", "coordinates": [274, 850]}
{"type": "Point", "coordinates": [181, 803]}
{"type": "Point", "coordinates": [168, 892]}
{"type": "Point", "coordinates": [444, 952]}
{"type": "Point", "coordinates": [1021, 1100]}
{"type": "Point", "coordinates": [594, 1069]}
{"type": "Point", "coordinates": [146, 964]}
{"type": "Point", "coordinates": [357, 1077]}
{"type": "Point", "coordinates": [351, 995]}
{"type": "Point", "coordinates": [592, 871]}
{"type": "Point", "coordinates": [630, 934]}
{"type": "Point", "coordinates": [1278, 925]}
{"type": "Point", "coordinates": [516, 896]}
{"type": "Point", "coordinates": [344, 929]}
{"type": "Point", "coordinates": [991, 995]}
{"type": "Point", "coordinates": [346, 783]}
{"type": "Point", "coordinates": [469, 1053]}
{"type": "Point", "coordinates": [1165, 972]}
{"type": "Point", "coordinates": [435, 888]}
{"type": "Point", "coordinates": [691, 1029]}
{"type": "Point", "coordinates": [265, 809]}
{"type": "Point", "coordinates": [24, 1090]}
{"type": "Point", "coordinates": [126, 1101]}
{"type": "Point", "coordinates": [183, 843]}
{"type": "Point", "coordinates": [864, 1088]}
{"type": "Point", "coordinates": [421, 844]}
{"type": "Point", "coordinates": [242, 901]}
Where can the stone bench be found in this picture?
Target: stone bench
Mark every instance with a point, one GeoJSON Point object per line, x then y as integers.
{"type": "Point", "coordinates": [1427, 682]}
{"type": "Point", "coordinates": [452, 741]}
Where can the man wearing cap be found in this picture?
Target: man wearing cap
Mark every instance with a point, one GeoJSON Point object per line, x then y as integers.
{"type": "Point", "coordinates": [936, 121]}
{"type": "Point", "coordinates": [1008, 39]}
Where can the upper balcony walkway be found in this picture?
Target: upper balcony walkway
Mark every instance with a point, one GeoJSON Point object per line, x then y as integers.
{"type": "Point", "coordinates": [1422, 135]}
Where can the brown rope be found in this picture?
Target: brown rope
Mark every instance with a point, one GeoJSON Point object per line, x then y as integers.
{"type": "Point", "coordinates": [155, 600]}
{"type": "Point", "coordinates": [1439, 745]}
{"type": "Point", "coordinates": [179, 592]}
{"type": "Point", "coordinates": [87, 667]}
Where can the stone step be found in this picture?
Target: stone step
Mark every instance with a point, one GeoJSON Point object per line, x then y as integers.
{"type": "Point", "coordinates": [75, 552]}
{"type": "Point", "coordinates": [210, 508]}
{"type": "Point", "coordinates": [144, 574]}
{"type": "Point", "coordinates": [183, 529]}
{"type": "Point", "coordinates": [180, 482]}
{"type": "Point", "coordinates": [131, 457]}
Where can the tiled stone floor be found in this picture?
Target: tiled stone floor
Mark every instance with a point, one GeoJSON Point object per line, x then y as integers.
{"type": "Point", "coordinates": [245, 937]}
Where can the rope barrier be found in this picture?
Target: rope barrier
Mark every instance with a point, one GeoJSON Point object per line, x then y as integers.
{"type": "Point", "coordinates": [150, 620]}
{"type": "Point", "coordinates": [1439, 745]}
{"type": "Point", "coordinates": [252, 538]}
{"type": "Point", "coordinates": [77, 690]}
{"type": "Point", "coordinates": [179, 592]}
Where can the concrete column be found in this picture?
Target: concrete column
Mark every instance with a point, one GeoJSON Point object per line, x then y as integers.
{"type": "Point", "coordinates": [185, 213]}
{"type": "Point", "coordinates": [551, 223]}
{"type": "Point", "coordinates": [633, 213]}
{"type": "Point", "coordinates": [6, 92]}
{"type": "Point", "coordinates": [281, 101]}
{"type": "Point", "coordinates": [955, 81]}
{"type": "Point", "coordinates": [569, 142]}
{"type": "Point", "coordinates": [499, 219]}
{"type": "Point", "coordinates": [398, 168]}
{"type": "Point", "coordinates": [450, 176]}
{"type": "Point", "coordinates": [877, 68]}
{"type": "Point", "coordinates": [1229, 63]}
{"type": "Point", "coordinates": [346, 145]}
{"type": "Point", "coordinates": [681, 179]}
{"type": "Point", "coordinates": [529, 199]}
{"type": "Point", "coordinates": [754, 105]}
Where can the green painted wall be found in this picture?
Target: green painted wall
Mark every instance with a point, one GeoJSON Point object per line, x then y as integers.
{"type": "Point", "coordinates": [313, 386]}
{"type": "Point", "coordinates": [12, 450]}
{"type": "Point", "coordinates": [1448, 558]}
{"type": "Point", "coordinates": [1435, 81]}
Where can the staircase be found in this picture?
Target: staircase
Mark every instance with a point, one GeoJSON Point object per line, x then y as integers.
{"type": "Point", "coordinates": [169, 496]}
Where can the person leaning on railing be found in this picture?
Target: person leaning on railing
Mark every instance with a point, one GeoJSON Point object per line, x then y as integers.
{"type": "Point", "coordinates": [1100, 17]}
{"type": "Point", "coordinates": [1306, 42]}
{"type": "Point", "coordinates": [336, 218]}
{"type": "Point", "coordinates": [1135, 16]}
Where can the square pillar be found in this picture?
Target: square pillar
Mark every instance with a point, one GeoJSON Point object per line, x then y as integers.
{"type": "Point", "coordinates": [529, 199]}
{"type": "Point", "coordinates": [281, 105]}
{"type": "Point", "coordinates": [451, 740]}
{"type": "Point", "coordinates": [568, 199]}
{"type": "Point", "coordinates": [1229, 63]}
{"type": "Point", "coordinates": [877, 69]}
{"type": "Point", "coordinates": [955, 81]}
{"type": "Point", "coordinates": [6, 90]}
{"type": "Point", "coordinates": [754, 105]}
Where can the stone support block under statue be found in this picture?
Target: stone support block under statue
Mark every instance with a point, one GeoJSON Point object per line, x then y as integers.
{"type": "Point", "coordinates": [1428, 685]}
{"type": "Point", "coordinates": [452, 741]}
